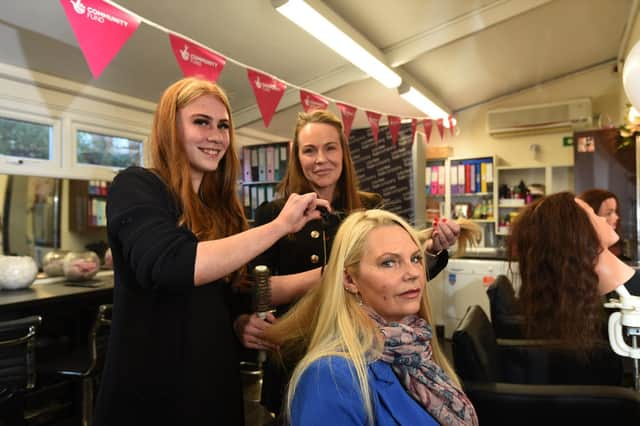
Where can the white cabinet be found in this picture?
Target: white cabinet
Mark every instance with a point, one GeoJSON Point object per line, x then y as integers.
{"type": "Point", "coordinates": [436, 180]}
{"type": "Point", "coordinates": [471, 188]}
{"type": "Point", "coordinates": [509, 199]}
{"type": "Point", "coordinates": [459, 187]}
{"type": "Point", "coordinates": [464, 189]}
{"type": "Point", "coordinates": [466, 283]}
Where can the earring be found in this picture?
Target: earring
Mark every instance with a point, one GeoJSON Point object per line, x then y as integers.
{"type": "Point", "coordinates": [355, 293]}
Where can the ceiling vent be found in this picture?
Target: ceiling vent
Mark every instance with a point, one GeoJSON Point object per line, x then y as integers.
{"type": "Point", "coordinates": [541, 118]}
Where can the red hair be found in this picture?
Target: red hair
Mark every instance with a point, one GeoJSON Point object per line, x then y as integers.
{"type": "Point", "coordinates": [215, 210]}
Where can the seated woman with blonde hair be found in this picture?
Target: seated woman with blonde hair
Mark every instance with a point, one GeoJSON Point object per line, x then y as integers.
{"type": "Point", "coordinates": [370, 354]}
{"type": "Point", "coordinates": [562, 249]}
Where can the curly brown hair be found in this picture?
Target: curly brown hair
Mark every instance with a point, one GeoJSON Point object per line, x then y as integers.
{"type": "Point", "coordinates": [557, 247]}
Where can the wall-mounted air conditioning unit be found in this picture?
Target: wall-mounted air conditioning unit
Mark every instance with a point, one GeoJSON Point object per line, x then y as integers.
{"type": "Point", "coordinates": [541, 118]}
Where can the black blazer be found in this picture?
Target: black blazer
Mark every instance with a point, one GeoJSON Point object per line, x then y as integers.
{"type": "Point", "coordinates": [172, 356]}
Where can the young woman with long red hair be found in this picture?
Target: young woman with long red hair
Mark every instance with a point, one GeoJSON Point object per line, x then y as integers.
{"type": "Point", "coordinates": [179, 240]}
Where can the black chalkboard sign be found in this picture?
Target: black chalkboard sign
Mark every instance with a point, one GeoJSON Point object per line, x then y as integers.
{"type": "Point", "coordinates": [385, 169]}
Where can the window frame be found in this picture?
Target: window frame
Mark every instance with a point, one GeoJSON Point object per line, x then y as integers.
{"type": "Point", "coordinates": [24, 165]}
{"type": "Point", "coordinates": [105, 172]}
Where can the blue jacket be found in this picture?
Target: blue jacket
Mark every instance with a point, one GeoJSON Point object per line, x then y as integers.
{"type": "Point", "coordinates": [328, 394]}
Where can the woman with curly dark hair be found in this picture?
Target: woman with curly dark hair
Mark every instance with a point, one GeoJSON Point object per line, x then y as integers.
{"type": "Point", "coordinates": [606, 204]}
{"type": "Point", "coordinates": [561, 246]}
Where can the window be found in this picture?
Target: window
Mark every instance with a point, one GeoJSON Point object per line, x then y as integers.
{"type": "Point", "coordinates": [108, 150]}
{"type": "Point", "coordinates": [26, 139]}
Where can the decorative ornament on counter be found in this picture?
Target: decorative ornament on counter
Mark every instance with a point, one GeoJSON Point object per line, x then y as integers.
{"type": "Point", "coordinates": [108, 260]}
{"type": "Point", "coordinates": [81, 266]}
{"type": "Point", "coordinates": [17, 272]}
{"type": "Point", "coordinates": [53, 262]}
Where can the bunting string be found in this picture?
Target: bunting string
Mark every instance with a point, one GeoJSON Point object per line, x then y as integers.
{"type": "Point", "coordinates": [116, 24]}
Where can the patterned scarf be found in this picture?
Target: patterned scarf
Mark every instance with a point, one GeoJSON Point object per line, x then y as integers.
{"type": "Point", "coordinates": [407, 347]}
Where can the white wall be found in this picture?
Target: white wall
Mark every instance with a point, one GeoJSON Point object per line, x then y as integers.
{"type": "Point", "coordinates": [599, 84]}
{"type": "Point", "coordinates": [69, 105]}
{"type": "Point", "coordinates": [634, 37]}
{"type": "Point", "coordinates": [72, 103]}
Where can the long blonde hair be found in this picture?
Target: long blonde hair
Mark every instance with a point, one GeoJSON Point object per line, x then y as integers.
{"type": "Point", "coordinates": [328, 321]}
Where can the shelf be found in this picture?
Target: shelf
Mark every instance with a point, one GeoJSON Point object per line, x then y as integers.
{"type": "Point", "coordinates": [87, 211]}
{"type": "Point", "coordinates": [473, 194]}
{"type": "Point", "coordinates": [262, 168]}
{"type": "Point", "coordinates": [511, 202]}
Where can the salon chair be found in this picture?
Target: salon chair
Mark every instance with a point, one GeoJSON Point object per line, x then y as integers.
{"type": "Point", "coordinates": [17, 367]}
{"type": "Point", "coordinates": [506, 321]}
{"type": "Point", "coordinates": [561, 366]}
{"type": "Point", "coordinates": [84, 365]}
{"type": "Point", "coordinates": [511, 382]}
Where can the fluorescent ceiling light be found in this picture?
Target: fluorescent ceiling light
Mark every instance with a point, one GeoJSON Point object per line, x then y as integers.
{"type": "Point", "coordinates": [324, 30]}
{"type": "Point", "coordinates": [424, 104]}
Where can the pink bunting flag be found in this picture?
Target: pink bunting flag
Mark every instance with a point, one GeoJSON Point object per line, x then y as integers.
{"type": "Point", "coordinates": [394, 127]}
{"type": "Point", "coordinates": [452, 125]}
{"type": "Point", "coordinates": [268, 92]}
{"type": "Point", "coordinates": [195, 60]}
{"type": "Point", "coordinates": [101, 30]}
{"type": "Point", "coordinates": [348, 113]}
{"type": "Point", "coordinates": [374, 122]}
{"type": "Point", "coordinates": [311, 101]}
{"type": "Point", "coordinates": [440, 125]}
{"type": "Point", "coordinates": [427, 123]}
{"type": "Point", "coordinates": [414, 127]}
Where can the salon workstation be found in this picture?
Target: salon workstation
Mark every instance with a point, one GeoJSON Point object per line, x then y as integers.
{"type": "Point", "coordinates": [472, 114]}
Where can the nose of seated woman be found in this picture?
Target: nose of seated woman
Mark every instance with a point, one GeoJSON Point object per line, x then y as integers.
{"type": "Point", "coordinates": [390, 276]}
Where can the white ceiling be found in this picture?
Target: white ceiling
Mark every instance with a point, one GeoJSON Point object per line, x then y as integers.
{"type": "Point", "coordinates": [465, 52]}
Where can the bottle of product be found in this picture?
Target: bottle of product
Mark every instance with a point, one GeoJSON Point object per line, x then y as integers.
{"type": "Point", "coordinates": [522, 188]}
{"type": "Point", "coordinates": [489, 210]}
{"type": "Point", "coordinates": [485, 210]}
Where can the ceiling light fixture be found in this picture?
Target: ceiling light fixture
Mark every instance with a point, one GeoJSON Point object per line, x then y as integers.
{"type": "Point", "coordinates": [424, 104]}
{"type": "Point", "coordinates": [322, 23]}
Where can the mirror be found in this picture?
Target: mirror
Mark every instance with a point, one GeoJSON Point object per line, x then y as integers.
{"type": "Point", "coordinates": [30, 215]}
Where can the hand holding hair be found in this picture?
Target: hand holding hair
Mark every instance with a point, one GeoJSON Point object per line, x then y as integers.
{"type": "Point", "coordinates": [249, 329]}
{"type": "Point", "coordinates": [444, 235]}
{"type": "Point", "coordinates": [445, 232]}
{"type": "Point", "coordinates": [300, 209]}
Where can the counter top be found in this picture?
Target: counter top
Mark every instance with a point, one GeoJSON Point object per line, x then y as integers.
{"type": "Point", "coordinates": [57, 289]}
{"type": "Point", "coordinates": [485, 253]}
